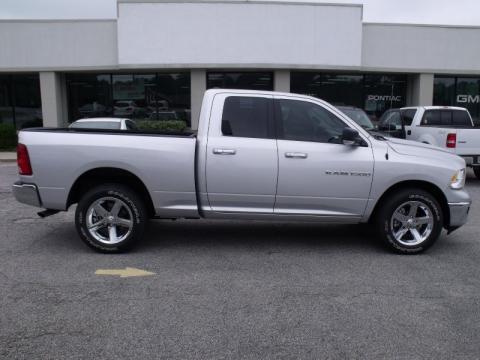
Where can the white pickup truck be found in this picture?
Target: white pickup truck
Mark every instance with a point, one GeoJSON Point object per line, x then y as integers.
{"type": "Point", "coordinates": [258, 156]}
{"type": "Point", "coordinates": [445, 126]}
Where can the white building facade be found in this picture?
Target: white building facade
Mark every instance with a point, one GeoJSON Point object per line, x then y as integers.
{"type": "Point", "coordinates": [158, 57]}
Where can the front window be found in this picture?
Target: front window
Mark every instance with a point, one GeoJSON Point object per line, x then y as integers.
{"type": "Point", "coordinates": [305, 121]}
{"type": "Point", "coordinates": [359, 117]}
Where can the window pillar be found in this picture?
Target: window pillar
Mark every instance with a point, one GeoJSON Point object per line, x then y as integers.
{"type": "Point", "coordinates": [281, 80]}
{"type": "Point", "coordinates": [198, 86]}
{"type": "Point", "coordinates": [52, 90]}
{"type": "Point", "coordinates": [420, 90]}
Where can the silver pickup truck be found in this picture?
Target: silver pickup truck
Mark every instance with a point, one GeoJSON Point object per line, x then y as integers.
{"type": "Point", "coordinates": [257, 156]}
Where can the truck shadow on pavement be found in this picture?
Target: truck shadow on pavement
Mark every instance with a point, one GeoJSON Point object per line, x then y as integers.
{"type": "Point", "coordinates": [262, 235]}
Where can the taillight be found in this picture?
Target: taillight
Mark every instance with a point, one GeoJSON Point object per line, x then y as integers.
{"type": "Point", "coordinates": [23, 160]}
{"type": "Point", "coordinates": [451, 140]}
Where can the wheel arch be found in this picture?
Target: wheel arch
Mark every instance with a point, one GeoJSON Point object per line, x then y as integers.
{"type": "Point", "coordinates": [429, 187]}
{"type": "Point", "coordinates": [103, 175]}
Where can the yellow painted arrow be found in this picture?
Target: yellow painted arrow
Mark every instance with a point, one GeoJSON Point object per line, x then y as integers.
{"type": "Point", "coordinates": [127, 272]}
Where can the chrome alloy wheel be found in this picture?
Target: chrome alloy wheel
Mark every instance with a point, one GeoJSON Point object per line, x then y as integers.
{"type": "Point", "coordinates": [412, 223]}
{"type": "Point", "coordinates": [109, 220]}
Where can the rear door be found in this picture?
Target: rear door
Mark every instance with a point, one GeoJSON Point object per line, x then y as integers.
{"type": "Point", "coordinates": [242, 161]}
{"type": "Point", "coordinates": [318, 174]}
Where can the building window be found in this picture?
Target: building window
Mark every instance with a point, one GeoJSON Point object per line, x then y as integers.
{"type": "Point", "coordinates": [458, 91]}
{"type": "Point", "coordinates": [20, 101]}
{"type": "Point", "coordinates": [248, 80]}
{"type": "Point", "coordinates": [139, 96]}
{"type": "Point", "coordinates": [374, 93]}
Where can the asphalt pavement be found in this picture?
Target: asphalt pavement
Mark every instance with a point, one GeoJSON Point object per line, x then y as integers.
{"type": "Point", "coordinates": [234, 290]}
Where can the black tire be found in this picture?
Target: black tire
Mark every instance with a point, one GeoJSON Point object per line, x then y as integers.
{"type": "Point", "coordinates": [384, 221]}
{"type": "Point", "coordinates": [131, 207]}
{"type": "Point", "coordinates": [476, 170]}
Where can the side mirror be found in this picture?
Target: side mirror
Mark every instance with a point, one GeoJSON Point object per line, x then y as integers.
{"type": "Point", "coordinates": [350, 136]}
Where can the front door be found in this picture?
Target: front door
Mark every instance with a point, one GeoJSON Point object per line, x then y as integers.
{"type": "Point", "coordinates": [318, 175]}
{"type": "Point", "coordinates": [242, 161]}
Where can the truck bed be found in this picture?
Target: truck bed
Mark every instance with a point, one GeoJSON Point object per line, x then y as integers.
{"type": "Point", "coordinates": [165, 163]}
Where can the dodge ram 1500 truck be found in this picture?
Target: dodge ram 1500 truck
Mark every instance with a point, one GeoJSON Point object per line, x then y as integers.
{"type": "Point", "coordinates": [258, 156]}
{"type": "Point", "coordinates": [445, 126]}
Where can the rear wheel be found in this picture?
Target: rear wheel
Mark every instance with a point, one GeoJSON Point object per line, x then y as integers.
{"type": "Point", "coordinates": [110, 218]}
{"type": "Point", "coordinates": [410, 221]}
{"type": "Point", "coordinates": [476, 170]}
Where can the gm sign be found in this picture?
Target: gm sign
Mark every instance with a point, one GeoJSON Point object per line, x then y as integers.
{"type": "Point", "coordinates": [468, 99]}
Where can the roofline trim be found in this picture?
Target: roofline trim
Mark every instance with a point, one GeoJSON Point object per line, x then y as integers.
{"type": "Point", "coordinates": [423, 25]}
{"type": "Point", "coordinates": [57, 20]}
{"type": "Point", "coordinates": [230, 2]}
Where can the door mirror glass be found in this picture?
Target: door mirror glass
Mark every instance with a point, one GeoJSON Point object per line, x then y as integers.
{"type": "Point", "coordinates": [350, 136]}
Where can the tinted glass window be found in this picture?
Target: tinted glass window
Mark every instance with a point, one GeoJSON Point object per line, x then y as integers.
{"type": "Point", "coordinates": [391, 120]}
{"type": "Point", "coordinates": [437, 118]}
{"type": "Point", "coordinates": [20, 102]}
{"type": "Point", "coordinates": [248, 80]}
{"type": "Point", "coordinates": [246, 117]}
{"type": "Point", "coordinates": [458, 91]}
{"type": "Point", "coordinates": [358, 116]}
{"type": "Point", "coordinates": [374, 93]}
{"type": "Point", "coordinates": [304, 121]}
{"type": "Point", "coordinates": [461, 118]}
{"type": "Point", "coordinates": [407, 116]}
{"type": "Point", "coordinates": [383, 92]}
{"type": "Point", "coordinates": [143, 97]}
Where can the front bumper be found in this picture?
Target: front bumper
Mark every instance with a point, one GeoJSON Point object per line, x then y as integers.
{"type": "Point", "coordinates": [26, 194]}
{"type": "Point", "coordinates": [458, 213]}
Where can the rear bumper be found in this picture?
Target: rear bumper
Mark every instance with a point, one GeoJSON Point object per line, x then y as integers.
{"type": "Point", "coordinates": [458, 213]}
{"type": "Point", "coordinates": [471, 160]}
{"type": "Point", "coordinates": [26, 194]}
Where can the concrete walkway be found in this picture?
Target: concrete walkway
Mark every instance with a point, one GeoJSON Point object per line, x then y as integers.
{"type": "Point", "coordinates": [8, 156]}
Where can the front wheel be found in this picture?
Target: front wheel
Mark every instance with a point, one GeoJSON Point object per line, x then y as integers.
{"type": "Point", "coordinates": [110, 218]}
{"type": "Point", "coordinates": [410, 221]}
{"type": "Point", "coordinates": [476, 170]}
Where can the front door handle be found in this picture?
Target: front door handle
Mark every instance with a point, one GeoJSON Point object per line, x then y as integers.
{"type": "Point", "coordinates": [296, 155]}
{"type": "Point", "coordinates": [224, 151]}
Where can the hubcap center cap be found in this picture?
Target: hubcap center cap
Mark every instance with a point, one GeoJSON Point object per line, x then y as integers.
{"type": "Point", "coordinates": [110, 219]}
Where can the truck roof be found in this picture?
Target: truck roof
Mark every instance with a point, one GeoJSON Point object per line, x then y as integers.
{"type": "Point", "coordinates": [435, 107]}
{"type": "Point", "coordinates": [106, 119]}
{"type": "Point", "coordinates": [258, 92]}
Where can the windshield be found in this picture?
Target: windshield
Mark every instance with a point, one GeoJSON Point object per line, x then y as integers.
{"type": "Point", "coordinates": [359, 117]}
{"type": "Point", "coordinates": [109, 125]}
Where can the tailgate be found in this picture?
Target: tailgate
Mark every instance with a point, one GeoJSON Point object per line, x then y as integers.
{"type": "Point", "coordinates": [468, 144]}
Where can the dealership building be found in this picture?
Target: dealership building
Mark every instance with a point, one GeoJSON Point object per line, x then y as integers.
{"type": "Point", "coordinates": [158, 57]}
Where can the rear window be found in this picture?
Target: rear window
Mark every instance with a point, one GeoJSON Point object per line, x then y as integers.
{"type": "Point", "coordinates": [246, 117]}
{"type": "Point", "coordinates": [408, 115]}
{"type": "Point", "coordinates": [437, 118]}
{"type": "Point", "coordinates": [461, 118]}
{"type": "Point", "coordinates": [446, 118]}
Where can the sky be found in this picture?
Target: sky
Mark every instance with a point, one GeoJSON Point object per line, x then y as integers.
{"type": "Point", "coordinates": [447, 12]}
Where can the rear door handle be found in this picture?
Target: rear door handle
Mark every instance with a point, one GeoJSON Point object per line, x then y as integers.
{"type": "Point", "coordinates": [224, 151]}
{"type": "Point", "coordinates": [296, 155]}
